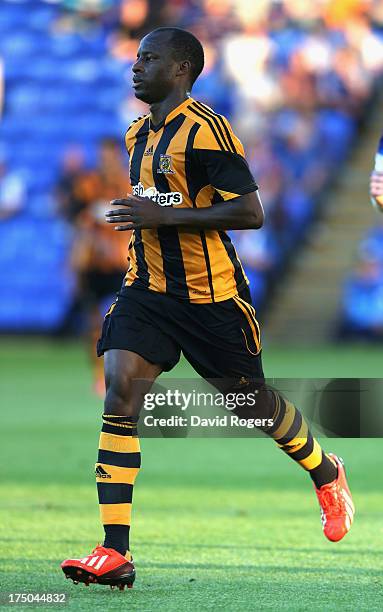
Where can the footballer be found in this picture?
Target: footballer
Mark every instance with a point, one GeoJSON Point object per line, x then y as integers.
{"type": "Point", "coordinates": [185, 292]}
{"type": "Point", "coordinates": [376, 179]}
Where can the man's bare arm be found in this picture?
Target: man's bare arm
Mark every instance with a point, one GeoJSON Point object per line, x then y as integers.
{"type": "Point", "coordinates": [244, 212]}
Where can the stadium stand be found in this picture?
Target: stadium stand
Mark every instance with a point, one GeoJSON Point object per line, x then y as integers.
{"type": "Point", "coordinates": [294, 84]}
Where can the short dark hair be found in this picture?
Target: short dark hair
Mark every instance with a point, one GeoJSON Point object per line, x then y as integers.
{"type": "Point", "coordinates": [185, 46]}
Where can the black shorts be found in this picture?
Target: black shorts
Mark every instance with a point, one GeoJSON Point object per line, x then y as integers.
{"type": "Point", "coordinates": [219, 340]}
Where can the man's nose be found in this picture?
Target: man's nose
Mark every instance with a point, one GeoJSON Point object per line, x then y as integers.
{"type": "Point", "coordinates": [137, 67]}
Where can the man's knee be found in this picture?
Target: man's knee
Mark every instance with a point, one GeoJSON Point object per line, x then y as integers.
{"type": "Point", "coordinates": [119, 403]}
{"type": "Point", "coordinates": [252, 401]}
{"type": "Point", "coordinates": [127, 380]}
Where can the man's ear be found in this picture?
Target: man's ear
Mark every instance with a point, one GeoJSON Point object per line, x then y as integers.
{"type": "Point", "coordinates": [184, 68]}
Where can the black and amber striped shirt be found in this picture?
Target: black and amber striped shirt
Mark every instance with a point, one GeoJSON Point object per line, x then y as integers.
{"type": "Point", "coordinates": [192, 159]}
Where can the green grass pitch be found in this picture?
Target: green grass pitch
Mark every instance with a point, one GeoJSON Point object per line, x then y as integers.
{"type": "Point", "coordinates": [218, 524]}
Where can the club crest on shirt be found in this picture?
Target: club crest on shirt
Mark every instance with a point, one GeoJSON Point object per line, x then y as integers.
{"type": "Point", "coordinates": [165, 165]}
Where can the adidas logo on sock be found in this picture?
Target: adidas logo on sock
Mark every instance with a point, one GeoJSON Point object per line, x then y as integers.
{"type": "Point", "coordinates": [101, 473]}
{"type": "Point", "coordinates": [148, 152]}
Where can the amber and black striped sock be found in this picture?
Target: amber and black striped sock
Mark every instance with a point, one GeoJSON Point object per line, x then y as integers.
{"type": "Point", "coordinates": [291, 433]}
{"type": "Point", "coordinates": [119, 460]}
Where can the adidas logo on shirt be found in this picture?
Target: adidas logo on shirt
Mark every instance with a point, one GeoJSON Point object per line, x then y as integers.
{"type": "Point", "coordinates": [149, 152]}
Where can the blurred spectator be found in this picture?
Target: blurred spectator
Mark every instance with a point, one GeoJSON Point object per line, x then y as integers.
{"type": "Point", "coordinates": [12, 191]}
{"type": "Point", "coordinates": [362, 298]}
{"type": "Point", "coordinates": [70, 191]}
{"type": "Point", "coordinates": [99, 255]}
{"type": "Point", "coordinates": [362, 308]}
{"type": "Point", "coordinates": [91, 6]}
{"type": "Point", "coordinates": [82, 15]}
{"type": "Point", "coordinates": [259, 253]}
{"type": "Point", "coordinates": [136, 18]}
{"type": "Point", "coordinates": [134, 14]}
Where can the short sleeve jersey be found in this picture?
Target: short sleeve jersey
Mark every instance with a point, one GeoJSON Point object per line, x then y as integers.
{"type": "Point", "coordinates": [192, 159]}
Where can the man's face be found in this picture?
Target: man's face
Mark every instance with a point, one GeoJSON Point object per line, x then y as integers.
{"type": "Point", "coordinates": [154, 73]}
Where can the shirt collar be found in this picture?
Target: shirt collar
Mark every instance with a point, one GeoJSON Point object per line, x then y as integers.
{"type": "Point", "coordinates": [174, 113]}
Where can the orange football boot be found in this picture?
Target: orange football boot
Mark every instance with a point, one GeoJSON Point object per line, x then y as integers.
{"type": "Point", "coordinates": [102, 566]}
{"type": "Point", "coordinates": [336, 505]}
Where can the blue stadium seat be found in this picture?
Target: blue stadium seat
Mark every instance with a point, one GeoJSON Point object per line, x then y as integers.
{"type": "Point", "coordinates": [41, 17]}
{"type": "Point", "coordinates": [45, 68]}
{"type": "Point", "coordinates": [24, 99]}
{"type": "Point", "coordinates": [36, 291]}
{"type": "Point", "coordinates": [66, 45]}
{"type": "Point", "coordinates": [23, 43]}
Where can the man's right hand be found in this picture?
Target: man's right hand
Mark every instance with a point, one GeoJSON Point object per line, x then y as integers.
{"type": "Point", "coordinates": [376, 190]}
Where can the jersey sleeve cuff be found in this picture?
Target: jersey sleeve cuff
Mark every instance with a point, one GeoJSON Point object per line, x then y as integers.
{"type": "Point", "coordinates": [236, 193]}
